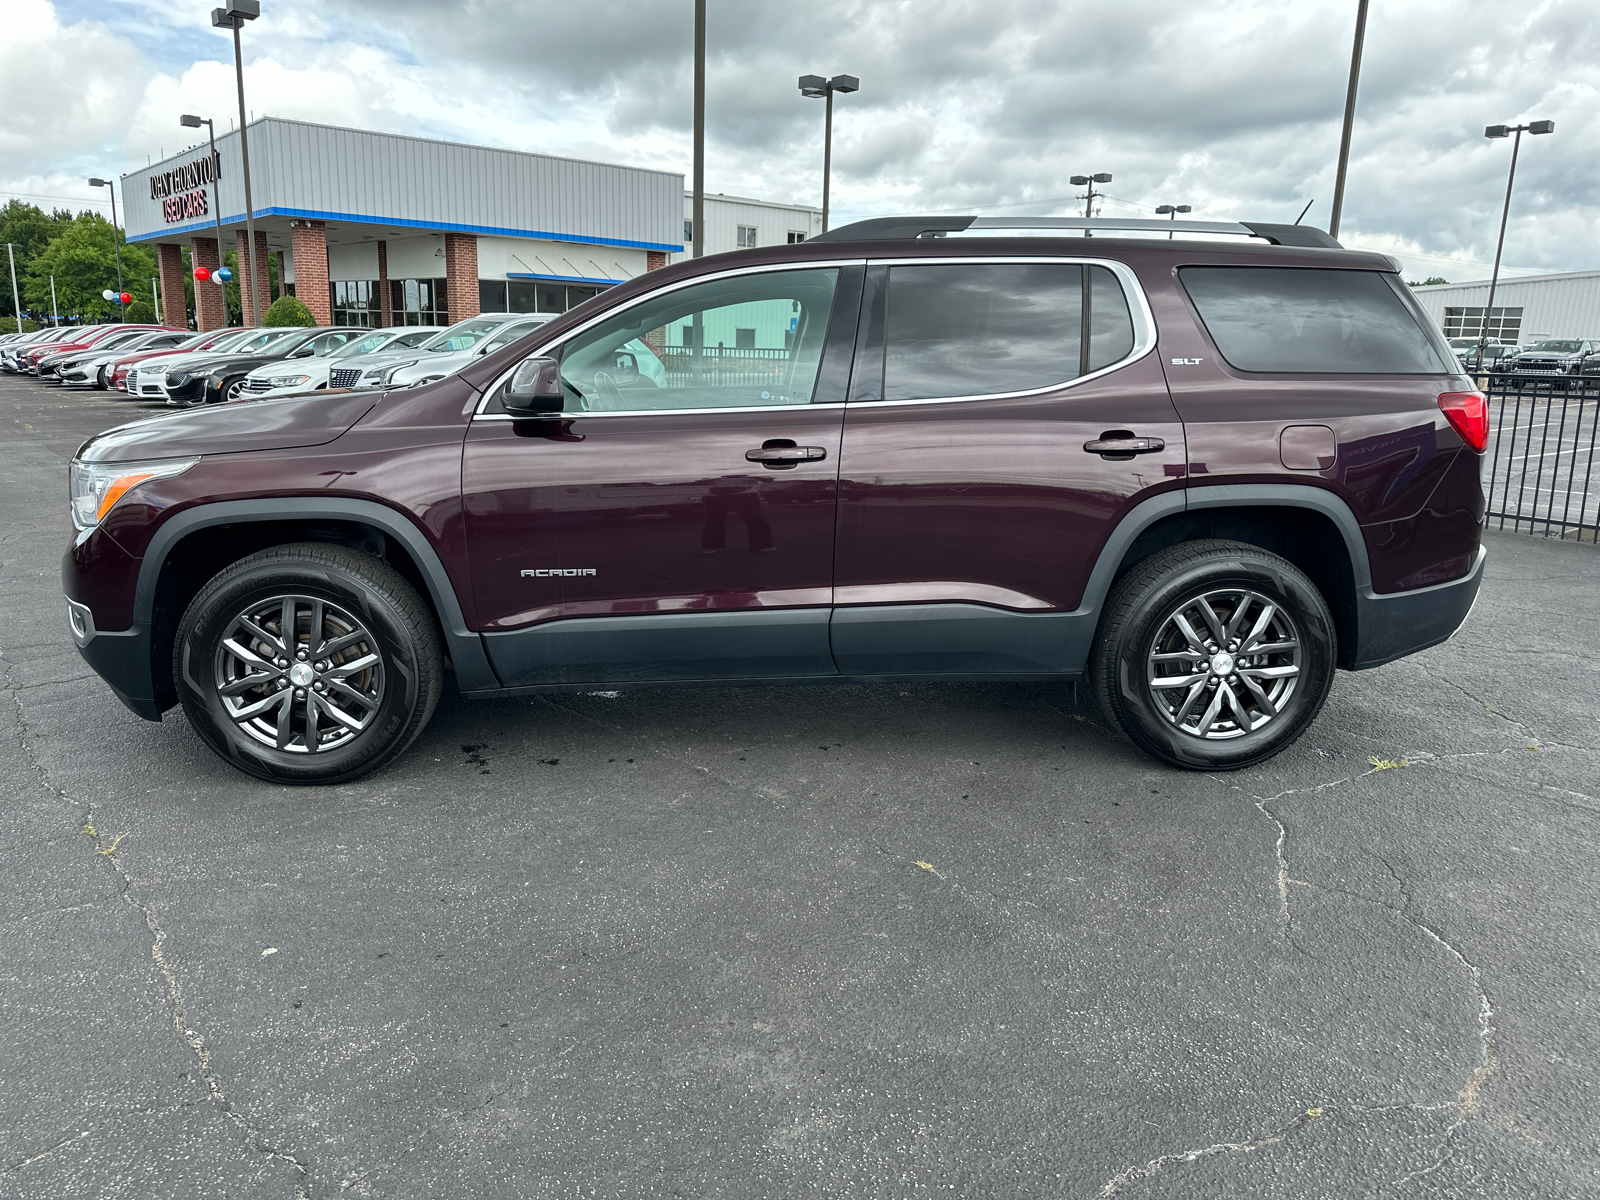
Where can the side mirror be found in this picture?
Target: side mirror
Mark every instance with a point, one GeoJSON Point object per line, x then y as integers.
{"type": "Point", "coordinates": [535, 389]}
{"type": "Point", "coordinates": [303, 352]}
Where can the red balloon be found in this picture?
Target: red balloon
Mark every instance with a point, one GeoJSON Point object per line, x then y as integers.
{"type": "Point", "coordinates": [202, 274]}
{"type": "Point", "coordinates": [125, 298]}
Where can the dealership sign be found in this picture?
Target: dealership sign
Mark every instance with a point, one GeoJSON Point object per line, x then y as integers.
{"type": "Point", "coordinates": [182, 190]}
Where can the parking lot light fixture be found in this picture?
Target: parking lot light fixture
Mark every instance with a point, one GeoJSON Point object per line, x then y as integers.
{"type": "Point", "coordinates": [233, 15]}
{"type": "Point", "coordinates": [1500, 131]}
{"type": "Point", "coordinates": [1091, 195]}
{"type": "Point", "coordinates": [190, 121]}
{"type": "Point", "coordinates": [116, 242]}
{"type": "Point", "coordinates": [1171, 211]}
{"type": "Point", "coordinates": [815, 87]}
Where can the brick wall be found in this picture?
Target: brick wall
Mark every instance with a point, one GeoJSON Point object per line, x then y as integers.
{"type": "Point", "coordinates": [385, 302]}
{"type": "Point", "coordinates": [461, 275]}
{"type": "Point", "coordinates": [308, 247]}
{"type": "Point", "coordinates": [654, 260]}
{"type": "Point", "coordinates": [169, 266]}
{"type": "Point", "coordinates": [253, 269]}
{"type": "Point", "coordinates": [209, 311]}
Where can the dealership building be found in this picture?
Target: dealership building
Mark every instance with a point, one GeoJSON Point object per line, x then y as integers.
{"type": "Point", "coordinates": [1527, 308]}
{"type": "Point", "coordinates": [379, 229]}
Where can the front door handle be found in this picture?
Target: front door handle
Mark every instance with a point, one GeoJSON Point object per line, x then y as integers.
{"type": "Point", "coordinates": [1119, 443]}
{"type": "Point", "coordinates": [786, 456]}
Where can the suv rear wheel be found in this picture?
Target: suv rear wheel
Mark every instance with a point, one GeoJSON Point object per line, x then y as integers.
{"type": "Point", "coordinates": [308, 663]}
{"type": "Point", "coordinates": [1214, 655]}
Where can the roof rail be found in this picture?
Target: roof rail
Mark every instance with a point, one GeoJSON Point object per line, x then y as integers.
{"type": "Point", "coordinates": [890, 228]}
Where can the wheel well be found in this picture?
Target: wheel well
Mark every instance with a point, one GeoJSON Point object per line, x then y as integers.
{"type": "Point", "coordinates": [195, 558]}
{"type": "Point", "coordinates": [1308, 539]}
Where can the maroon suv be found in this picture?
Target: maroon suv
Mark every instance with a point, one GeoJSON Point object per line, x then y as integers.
{"type": "Point", "coordinates": [1201, 474]}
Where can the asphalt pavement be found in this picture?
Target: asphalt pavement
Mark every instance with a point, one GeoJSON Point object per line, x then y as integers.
{"type": "Point", "coordinates": [865, 942]}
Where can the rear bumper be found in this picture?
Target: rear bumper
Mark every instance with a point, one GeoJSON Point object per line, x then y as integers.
{"type": "Point", "coordinates": [1393, 625]}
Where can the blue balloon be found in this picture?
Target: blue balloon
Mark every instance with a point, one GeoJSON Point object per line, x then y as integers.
{"type": "Point", "coordinates": [222, 274]}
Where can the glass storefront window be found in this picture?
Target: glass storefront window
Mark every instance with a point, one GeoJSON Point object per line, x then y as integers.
{"type": "Point", "coordinates": [355, 302]}
{"type": "Point", "coordinates": [418, 302]}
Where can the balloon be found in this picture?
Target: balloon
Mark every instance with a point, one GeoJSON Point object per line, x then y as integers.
{"type": "Point", "coordinates": [222, 274]}
{"type": "Point", "coordinates": [202, 274]}
{"type": "Point", "coordinates": [109, 294]}
{"type": "Point", "coordinates": [126, 298]}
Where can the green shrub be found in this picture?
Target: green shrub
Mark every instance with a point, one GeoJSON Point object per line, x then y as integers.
{"type": "Point", "coordinates": [9, 325]}
{"type": "Point", "coordinates": [140, 313]}
{"type": "Point", "coordinates": [287, 310]}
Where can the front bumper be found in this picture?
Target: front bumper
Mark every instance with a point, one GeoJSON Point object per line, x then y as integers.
{"type": "Point", "coordinates": [121, 658]}
{"type": "Point", "coordinates": [1393, 625]}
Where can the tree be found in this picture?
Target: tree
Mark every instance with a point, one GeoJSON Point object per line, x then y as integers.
{"type": "Point", "coordinates": [29, 230]}
{"type": "Point", "coordinates": [1428, 282]}
{"type": "Point", "coordinates": [83, 261]}
{"type": "Point", "coordinates": [286, 310]}
{"type": "Point", "coordinates": [140, 313]}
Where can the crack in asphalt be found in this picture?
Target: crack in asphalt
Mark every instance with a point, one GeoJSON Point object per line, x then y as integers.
{"type": "Point", "coordinates": [1155, 1165]}
{"type": "Point", "coordinates": [192, 1038]}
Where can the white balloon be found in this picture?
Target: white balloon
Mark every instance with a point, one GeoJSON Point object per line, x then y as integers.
{"type": "Point", "coordinates": [109, 294]}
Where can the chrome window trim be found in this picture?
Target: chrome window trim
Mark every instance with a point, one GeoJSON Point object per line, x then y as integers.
{"type": "Point", "coordinates": [1144, 322]}
{"type": "Point", "coordinates": [664, 412]}
{"type": "Point", "coordinates": [766, 268]}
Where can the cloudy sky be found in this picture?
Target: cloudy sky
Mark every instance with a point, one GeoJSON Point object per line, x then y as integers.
{"type": "Point", "coordinates": [987, 106]}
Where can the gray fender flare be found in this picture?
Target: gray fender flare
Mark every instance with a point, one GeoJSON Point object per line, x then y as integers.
{"type": "Point", "coordinates": [465, 647]}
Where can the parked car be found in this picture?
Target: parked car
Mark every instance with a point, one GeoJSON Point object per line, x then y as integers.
{"type": "Point", "coordinates": [435, 358]}
{"type": "Point", "coordinates": [91, 367]}
{"type": "Point", "coordinates": [117, 375]}
{"type": "Point", "coordinates": [1200, 476]}
{"type": "Point", "coordinates": [147, 378]}
{"type": "Point", "coordinates": [34, 359]}
{"type": "Point", "coordinates": [213, 378]}
{"type": "Point", "coordinates": [11, 354]}
{"type": "Point", "coordinates": [1553, 356]}
{"type": "Point", "coordinates": [311, 374]}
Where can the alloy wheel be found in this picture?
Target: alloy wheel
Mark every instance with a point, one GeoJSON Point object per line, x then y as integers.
{"type": "Point", "coordinates": [299, 674]}
{"type": "Point", "coordinates": [1224, 664]}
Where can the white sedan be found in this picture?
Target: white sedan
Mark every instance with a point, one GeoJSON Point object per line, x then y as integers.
{"type": "Point", "coordinates": [294, 375]}
{"type": "Point", "coordinates": [446, 353]}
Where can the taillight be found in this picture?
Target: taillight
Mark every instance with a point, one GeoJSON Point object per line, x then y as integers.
{"type": "Point", "coordinates": [1468, 414]}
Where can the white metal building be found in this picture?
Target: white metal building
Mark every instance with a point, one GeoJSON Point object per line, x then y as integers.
{"type": "Point", "coordinates": [1526, 308]}
{"type": "Point", "coordinates": [379, 229]}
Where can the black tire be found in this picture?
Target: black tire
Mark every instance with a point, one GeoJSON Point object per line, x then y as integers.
{"type": "Point", "coordinates": [391, 700]}
{"type": "Point", "coordinates": [1150, 602]}
{"type": "Point", "coordinates": [231, 390]}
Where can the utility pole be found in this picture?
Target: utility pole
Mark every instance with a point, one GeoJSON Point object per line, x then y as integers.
{"type": "Point", "coordinates": [1092, 195]}
{"type": "Point", "coordinates": [1349, 118]}
{"type": "Point", "coordinates": [55, 308]}
{"type": "Point", "coordinates": [16, 300]}
{"type": "Point", "coordinates": [698, 219]}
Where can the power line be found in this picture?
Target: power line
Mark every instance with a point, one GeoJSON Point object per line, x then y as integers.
{"type": "Point", "coordinates": [44, 196]}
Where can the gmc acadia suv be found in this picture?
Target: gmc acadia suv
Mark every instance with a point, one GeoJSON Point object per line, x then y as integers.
{"type": "Point", "coordinates": [1199, 474]}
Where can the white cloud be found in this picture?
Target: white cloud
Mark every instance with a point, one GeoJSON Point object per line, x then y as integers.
{"type": "Point", "coordinates": [1232, 107]}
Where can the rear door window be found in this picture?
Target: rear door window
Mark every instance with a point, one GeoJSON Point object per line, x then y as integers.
{"type": "Point", "coordinates": [984, 329]}
{"type": "Point", "coordinates": [1288, 320]}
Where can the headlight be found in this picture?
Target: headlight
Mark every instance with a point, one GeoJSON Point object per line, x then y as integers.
{"type": "Point", "coordinates": [177, 378]}
{"type": "Point", "coordinates": [279, 381]}
{"type": "Point", "coordinates": [386, 374]}
{"type": "Point", "coordinates": [95, 488]}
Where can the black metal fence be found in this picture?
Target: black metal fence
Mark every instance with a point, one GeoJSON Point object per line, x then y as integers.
{"type": "Point", "coordinates": [723, 366]}
{"type": "Point", "coordinates": [1539, 464]}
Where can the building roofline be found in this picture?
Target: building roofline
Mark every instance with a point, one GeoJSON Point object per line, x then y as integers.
{"type": "Point", "coordinates": [1506, 280]}
{"type": "Point", "coordinates": [806, 208]}
{"type": "Point", "coordinates": [407, 137]}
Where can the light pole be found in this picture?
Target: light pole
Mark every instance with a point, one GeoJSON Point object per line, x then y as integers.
{"type": "Point", "coordinates": [190, 121]}
{"type": "Point", "coordinates": [155, 296]}
{"type": "Point", "coordinates": [1171, 211]}
{"type": "Point", "coordinates": [1092, 195]}
{"type": "Point", "coordinates": [697, 214]}
{"type": "Point", "coordinates": [813, 87]}
{"type": "Point", "coordinates": [232, 16]}
{"type": "Point", "coordinates": [1500, 131]}
{"type": "Point", "coordinates": [116, 242]}
{"type": "Point", "coordinates": [1349, 118]}
{"type": "Point", "coordinates": [55, 308]}
{"type": "Point", "coordinates": [16, 301]}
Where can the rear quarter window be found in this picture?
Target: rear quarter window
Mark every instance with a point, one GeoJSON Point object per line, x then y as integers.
{"type": "Point", "coordinates": [1285, 320]}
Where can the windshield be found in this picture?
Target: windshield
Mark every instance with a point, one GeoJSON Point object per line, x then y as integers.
{"type": "Point", "coordinates": [272, 339]}
{"type": "Point", "coordinates": [461, 337]}
{"type": "Point", "coordinates": [1559, 346]}
{"type": "Point", "coordinates": [199, 339]}
{"type": "Point", "coordinates": [364, 345]}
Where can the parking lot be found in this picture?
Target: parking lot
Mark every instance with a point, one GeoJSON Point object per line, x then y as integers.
{"type": "Point", "coordinates": [832, 941]}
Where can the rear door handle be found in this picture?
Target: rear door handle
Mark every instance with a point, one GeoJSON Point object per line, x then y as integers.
{"type": "Point", "coordinates": [1124, 444]}
{"type": "Point", "coordinates": [783, 456]}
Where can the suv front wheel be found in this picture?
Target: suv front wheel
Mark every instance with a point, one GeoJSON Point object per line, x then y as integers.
{"type": "Point", "coordinates": [1214, 655]}
{"type": "Point", "coordinates": [308, 663]}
